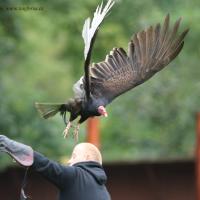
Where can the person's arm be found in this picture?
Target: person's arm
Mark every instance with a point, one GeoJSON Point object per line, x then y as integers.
{"type": "Point", "coordinates": [24, 155]}
{"type": "Point", "coordinates": [54, 172]}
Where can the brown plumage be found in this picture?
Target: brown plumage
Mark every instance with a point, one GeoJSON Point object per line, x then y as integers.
{"type": "Point", "coordinates": [149, 51]}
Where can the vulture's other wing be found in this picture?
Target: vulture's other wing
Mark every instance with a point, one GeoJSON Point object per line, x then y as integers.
{"type": "Point", "coordinates": [89, 32]}
{"type": "Point", "coordinates": [149, 51]}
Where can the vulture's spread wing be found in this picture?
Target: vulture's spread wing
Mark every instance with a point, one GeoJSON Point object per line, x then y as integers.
{"type": "Point", "coordinates": [89, 32]}
{"type": "Point", "coordinates": [149, 51]}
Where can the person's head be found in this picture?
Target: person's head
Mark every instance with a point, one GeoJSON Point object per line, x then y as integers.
{"type": "Point", "coordinates": [85, 152]}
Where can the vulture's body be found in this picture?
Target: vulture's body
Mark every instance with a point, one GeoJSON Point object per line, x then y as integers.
{"type": "Point", "coordinates": [149, 51]}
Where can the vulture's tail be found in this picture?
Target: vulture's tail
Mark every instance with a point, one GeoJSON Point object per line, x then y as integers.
{"type": "Point", "coordinates": [47, 110]}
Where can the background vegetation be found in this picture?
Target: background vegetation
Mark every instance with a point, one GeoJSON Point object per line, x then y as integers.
{"type": "Point", "coordinates": [41, 56]}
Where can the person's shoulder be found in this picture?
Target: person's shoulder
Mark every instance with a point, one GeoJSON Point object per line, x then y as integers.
{"type": "Point", "coordinates": [87, 163]}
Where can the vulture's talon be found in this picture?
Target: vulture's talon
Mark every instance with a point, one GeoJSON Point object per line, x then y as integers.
{"type": "Point", "coordinates": [66, 131]}
{"type": "Point", "coordinates": [76, 131]}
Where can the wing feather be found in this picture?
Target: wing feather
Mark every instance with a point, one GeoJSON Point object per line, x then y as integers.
{"type": "Point", "coordinates": [91, 26]}
{"type": "Point", "coordinates": [149, 51]}
{"type": "Point", "coordinates": [89, 32]}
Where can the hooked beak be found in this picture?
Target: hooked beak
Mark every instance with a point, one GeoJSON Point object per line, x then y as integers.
{"type": "Point", "coordinates": [102, 111]}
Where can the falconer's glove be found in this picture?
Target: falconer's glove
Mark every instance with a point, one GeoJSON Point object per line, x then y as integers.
{"type": "Point", "coordinates": [22, 153]}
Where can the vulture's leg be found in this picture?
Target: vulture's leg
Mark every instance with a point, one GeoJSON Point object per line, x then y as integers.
{"type": "Point", "coordinates": [66, 131]}
{"type": "Point", "coordinates": [76, 131]}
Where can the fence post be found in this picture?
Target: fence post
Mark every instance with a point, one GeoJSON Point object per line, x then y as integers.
{"type": "Point", "coordinates": [198, 156]}
{"type": "Point", "coordinates": [93, 131]}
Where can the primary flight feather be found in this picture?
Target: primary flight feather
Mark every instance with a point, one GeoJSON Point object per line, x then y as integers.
{"type": "Point", "coordinates": [149, 51]}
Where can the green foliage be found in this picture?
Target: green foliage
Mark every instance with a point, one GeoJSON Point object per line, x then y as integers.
{"type": "Point", "coordinates": [41, 56]}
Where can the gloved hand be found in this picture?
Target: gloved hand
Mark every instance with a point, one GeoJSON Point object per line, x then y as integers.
{"type": "Point", "coordinates": [22, 153]}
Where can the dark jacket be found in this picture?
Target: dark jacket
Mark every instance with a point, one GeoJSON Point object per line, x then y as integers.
{"type": "Point", "coordinates": [82, 181]}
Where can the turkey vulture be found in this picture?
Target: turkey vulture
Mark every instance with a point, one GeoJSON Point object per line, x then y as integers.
{"type": "Point", "coordinates": [149, 51]}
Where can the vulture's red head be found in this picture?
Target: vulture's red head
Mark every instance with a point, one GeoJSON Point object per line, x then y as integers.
{"type": "Point", "coordinates": [102, 111]}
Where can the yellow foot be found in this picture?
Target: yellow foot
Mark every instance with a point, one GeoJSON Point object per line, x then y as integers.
{"type": "Point", "coordinates": [76, 131]}
{"type": "Point", "coordinates": [66, 131]}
